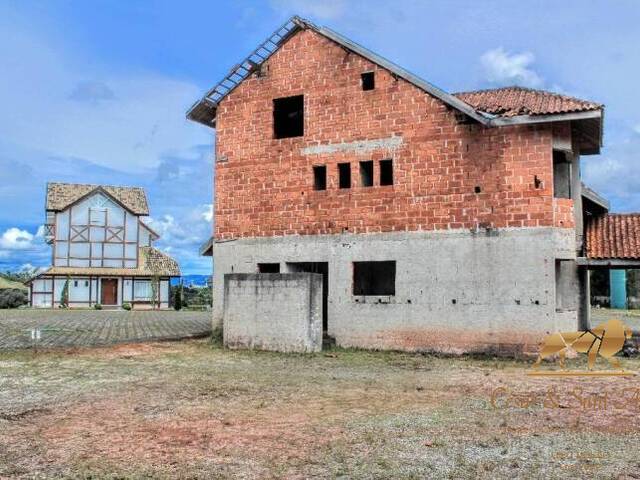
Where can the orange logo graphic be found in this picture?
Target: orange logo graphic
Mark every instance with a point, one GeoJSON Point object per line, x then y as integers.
{"type": "Point", "coordinates": [605, 340]}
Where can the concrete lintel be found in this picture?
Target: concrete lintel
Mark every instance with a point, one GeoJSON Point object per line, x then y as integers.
{"type": "Point", "coordinates": [359, 146]}
{"type": "Point", "coordinates": [622, 263]}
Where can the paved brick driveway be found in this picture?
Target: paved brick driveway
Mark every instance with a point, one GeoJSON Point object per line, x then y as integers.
{"type": "Point", "coordinates": [75, 328]}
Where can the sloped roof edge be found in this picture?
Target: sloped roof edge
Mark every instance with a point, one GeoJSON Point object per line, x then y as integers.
{"type": "Point", "coordinates": [204, 110]}
{"type": "Point", "coordinates": [60, 196]}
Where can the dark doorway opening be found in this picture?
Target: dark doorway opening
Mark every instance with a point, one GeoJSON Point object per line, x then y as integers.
{"type": "Point", "coordinates": [323, 269]}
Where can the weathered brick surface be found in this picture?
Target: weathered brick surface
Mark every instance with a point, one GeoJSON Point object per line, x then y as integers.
{"type": "Point", "coordinates": [264, 186]}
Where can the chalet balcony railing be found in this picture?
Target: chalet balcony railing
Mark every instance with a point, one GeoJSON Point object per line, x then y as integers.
{"type": "Point", "coordinates": [49, 233]}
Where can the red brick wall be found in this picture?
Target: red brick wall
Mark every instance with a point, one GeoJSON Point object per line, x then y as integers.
{"type": "Point", "coordinates": [265, 185]}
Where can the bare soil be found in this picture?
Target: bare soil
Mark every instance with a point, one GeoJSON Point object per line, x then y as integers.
{"type": "Point", "coordinates": [194, 410]}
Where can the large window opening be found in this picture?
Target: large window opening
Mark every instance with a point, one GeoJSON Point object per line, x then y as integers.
{"type": "Point", "coordinates": [561, 175]}
{"type": "Point", "coordinates": [344, 175]}
{"type": "Point", "coordinates": [319, 177]}
{"type": "Point", "coordinates": [366, 173]}
{"type": "Point", "coordinates": [386, 172]}
{"type": "Point", "coordinates": [268, 268]}
{"type": "Point", "coordinates": [374, 278]}
{"type": "Point", "coordinates": [288, 117]}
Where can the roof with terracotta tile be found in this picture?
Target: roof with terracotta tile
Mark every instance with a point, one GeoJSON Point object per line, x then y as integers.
{"type": "Point", "coordinates": [613, 236]}
{"type": "Point", "coordinates": [61, 195]}
{"type": "Point", "coordinates": [513, 101]}
{"type": "Point", "coordinates": [151, 261]}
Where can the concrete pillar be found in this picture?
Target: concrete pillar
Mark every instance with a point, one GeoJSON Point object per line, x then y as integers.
{"type": "Point", "coordinates": [618, 288]}
{"type": "Point", "coordinates": [584, 307]}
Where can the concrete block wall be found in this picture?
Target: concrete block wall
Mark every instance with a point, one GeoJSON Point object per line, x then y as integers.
{"type": "Point", "coordinates": [280, 312]}
{"type": "Point", "coordinates": [456, 291]}
{"type": "Point", "coordinates": [448, 174]}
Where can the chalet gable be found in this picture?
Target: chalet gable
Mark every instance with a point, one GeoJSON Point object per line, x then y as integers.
{"type": "Point", "coordinates": [61, 196]}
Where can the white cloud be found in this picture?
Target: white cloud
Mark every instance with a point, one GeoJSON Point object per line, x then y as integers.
{"type": "Point", "coordinates": [207, 214]}
{"type": "Point", "coordinates": [16, 239]}
{"type": "Point", "coordinates": [322, 9]}
{"type": "Point", "coordinates": [67, 107]}
{"type": "Point", "coordinates": [502, 67]}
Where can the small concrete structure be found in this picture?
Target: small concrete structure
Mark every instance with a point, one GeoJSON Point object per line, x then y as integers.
{"type": "Point", "coordinates": [273, 311]}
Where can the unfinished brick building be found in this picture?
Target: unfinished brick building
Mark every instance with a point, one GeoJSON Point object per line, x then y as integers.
{"type": "Point", "coordinates": [439, 221]}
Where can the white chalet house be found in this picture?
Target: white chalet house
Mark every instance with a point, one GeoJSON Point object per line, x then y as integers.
{"type": "Point", "coordinates": [103, 249]}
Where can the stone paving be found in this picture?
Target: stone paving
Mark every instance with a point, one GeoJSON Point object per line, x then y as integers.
{"type": "Point", "coordinates": [82, 328]}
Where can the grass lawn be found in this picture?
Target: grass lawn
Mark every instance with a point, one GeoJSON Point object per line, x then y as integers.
{"type": "Point", "coordinates": [194, 410]}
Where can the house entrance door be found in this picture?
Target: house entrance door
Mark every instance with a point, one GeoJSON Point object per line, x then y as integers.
{"type": "Point", "coordinates": [109, 289]}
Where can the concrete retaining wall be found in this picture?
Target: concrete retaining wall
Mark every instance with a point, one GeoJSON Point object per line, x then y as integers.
{"type": "Point", "coordinates": [456, 290]}
{"type": "Point", "coordinates": [272, 311]}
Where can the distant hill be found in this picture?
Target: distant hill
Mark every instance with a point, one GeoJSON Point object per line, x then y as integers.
{"type": "Point", "coordinates": [192, 280]}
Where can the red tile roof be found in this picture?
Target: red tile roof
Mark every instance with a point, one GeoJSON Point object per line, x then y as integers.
{"type": "Point", "coordinates": [512, 101]}
{"type": "Point", "coordinates": [613, 236]}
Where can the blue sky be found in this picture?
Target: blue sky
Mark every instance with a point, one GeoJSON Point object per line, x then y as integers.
{"type": "Point", "coordinates": [96, 91]}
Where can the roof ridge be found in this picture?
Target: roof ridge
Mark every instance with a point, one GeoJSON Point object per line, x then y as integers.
{"type": "Point", "coordinates": [96, 185]}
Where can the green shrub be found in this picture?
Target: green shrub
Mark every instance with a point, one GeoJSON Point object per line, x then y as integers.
{"type": "Point", "coordinates": [97, 306]}
{"type": "Point", "coordinates": [12, 298]}
{"type": "Point", "coordinates": [126, 306]}
{"type": "Point", "coordinates": [64, 297]}
{"type": "Point", "coordinates": [177, 298]}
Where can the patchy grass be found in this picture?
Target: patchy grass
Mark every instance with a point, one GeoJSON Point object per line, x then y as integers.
{"type": "Point", "coordinates": [194, 410]}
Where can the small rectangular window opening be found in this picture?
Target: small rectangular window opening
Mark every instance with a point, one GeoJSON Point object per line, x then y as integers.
{"type": "Point", "coordinates": [368, 81]}
{"type": "Point", "coordinates": [561, 175]}
{"type": "Point", "coordinates": [374, 278]}
{"type": "Point", "coordinates": [320, 177]}
{"type": "Point", "coordinates": [386, 172]}
{"type": "Point", "coordinates": [366, 173]}
{"type": "Point", "coordinates": [75, 283]}
{"type": "Point", "coordinates": [344, 175]}
{"type": "Point", "coordinates": [268, 268]}
{"type": "Point", "coordinates": [288, 117]}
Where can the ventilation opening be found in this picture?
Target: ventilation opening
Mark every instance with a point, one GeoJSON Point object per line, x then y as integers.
{"type": "Point", "coordinates": [368, 81]}
{"type": "Point", "coordinates": [477, 189]}
{"type": "Point", "coordinates": [319, 177]}
{"type": "Point", "coordinates": [344, 175]}
{"type": "Point", "coordinates": [268, 268]}
{"type": "Point", "coordinates": [386, 172]}
{"type": "Point", "coordinates": [561, 175]}
{"type": "Point", "coordinates": [374, 278]}
{"type": "Point", "coordinates": [366, 173]}
{"type": "Point", "coordinates": [288, 117]}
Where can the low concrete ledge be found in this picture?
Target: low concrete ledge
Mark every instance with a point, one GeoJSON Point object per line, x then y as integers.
{"type": "Point", "coordinates": [273, 311]}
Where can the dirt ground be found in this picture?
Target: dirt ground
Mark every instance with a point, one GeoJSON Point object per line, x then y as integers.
{"type": "Point", "coordinates": [194, 410]}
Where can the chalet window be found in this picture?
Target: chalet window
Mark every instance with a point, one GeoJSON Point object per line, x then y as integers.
{"type": "Point", "coordinates": [368, 81]}
{"type": "Point", "coordinates": [366, 173]}
{"type": "Point", "coordinates": [142, 290]}
{"type": "Point", "coordinates": [374, 278]}
{"type": "Point", "coordinates": [561, 175]}
{"type": "Point", "coordinates": [319, 177]}
{"type": "Point", "coordinates": [344, 175]}
{"type": "Point", "coordinates": [386, 172]}
{"type": "Point", "coordinates": [288, 117]}
{"type": "Point", "coordinates": [268, 268]}
{"type": "Point", "coordinates": [75, 283]}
